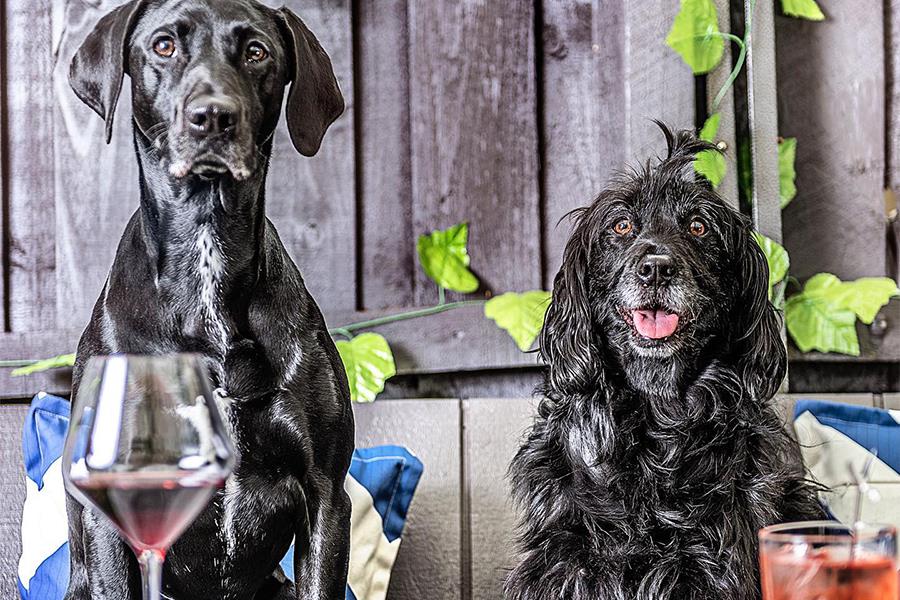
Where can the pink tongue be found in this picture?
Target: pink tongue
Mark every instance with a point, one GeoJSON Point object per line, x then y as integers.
{"type": "Point", "coordinates": [654, 324]}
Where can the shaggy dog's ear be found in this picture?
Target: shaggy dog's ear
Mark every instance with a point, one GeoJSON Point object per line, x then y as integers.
{"type": "Point", "coordinates": [567, 339]}
{"type": "Point", "coordinates": [761, 352]}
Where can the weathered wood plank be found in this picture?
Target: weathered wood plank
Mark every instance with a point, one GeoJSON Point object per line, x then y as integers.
{"type": "Point", "coordinates": [388, 256]}
{"type": "Point", "coordinates": [763, 117]}
{"type": "Point", "coordinates": [832, 97]}
{"type": "Point", "coordinates": [727, 132]}
{"type": "Point", "coordinates": [312, 201]}
{"type": "Point", "coordinates": [659, 84]}
{"type": "Point", "coordinates": [892, 94]}
{"type": "Point", "coordinates": [493, 431]}
{"type": "Point", "coordinates": [96, 185]}
{"type": "Point", "coordinates": [474, 143]}
{"type": "Point", "coordinates": [12, 489]}
{"type": "Point", "coordinates": [607, 74]}
{"type": "Point", "coordinates": [4, 173]}
{"type": "Point", "coordinates": [428, 564]}
{"type": "Point", "coordinates": [583, 58]}
{"type": "Point", "coordinates": [30, 188]}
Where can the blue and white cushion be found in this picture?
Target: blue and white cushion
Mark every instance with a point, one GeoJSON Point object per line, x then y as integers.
{"type": "Point", "coordinates": [832, 435]}
{"type": "Point", "coordinates": [381, 483]}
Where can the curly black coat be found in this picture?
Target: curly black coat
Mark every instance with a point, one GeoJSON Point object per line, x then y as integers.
{"type": "Point", "coordinates": [655, 459]}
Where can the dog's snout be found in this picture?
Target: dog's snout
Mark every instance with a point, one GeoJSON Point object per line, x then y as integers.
{"type": "Point", "coordinates": [656, 269]}
{"type": "Point", "coordinates": [211, 115]}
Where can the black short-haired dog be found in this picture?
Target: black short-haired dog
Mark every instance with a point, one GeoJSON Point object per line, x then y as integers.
{"type": "Point", "coordinates": [200, 269]}
{"type": "Point", "coordinates": [656, 454]}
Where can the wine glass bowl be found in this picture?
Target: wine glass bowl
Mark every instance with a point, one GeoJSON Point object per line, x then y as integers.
{"type": "Point", "coordinates": [147, 448]}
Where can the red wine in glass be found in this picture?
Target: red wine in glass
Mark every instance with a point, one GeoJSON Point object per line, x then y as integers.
{"type": "Point", "coordinates": [150, 509]}
{"type": "Point", "coordinates": [147, 448]}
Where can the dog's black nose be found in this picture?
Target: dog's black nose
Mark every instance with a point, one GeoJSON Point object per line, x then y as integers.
{"type": "Point", "coordinates": [656, 269]}
{"type": "Point", "coordinates": [208, 115]}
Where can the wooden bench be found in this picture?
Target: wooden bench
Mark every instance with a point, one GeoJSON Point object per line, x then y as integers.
{"type": "Point", "coordinates": [457, 541]}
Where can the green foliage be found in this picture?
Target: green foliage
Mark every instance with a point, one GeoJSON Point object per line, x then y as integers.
{"type": "Point", "coordinates": [521, 315]}
{"type": "Point", "coordinates": [711, 163]}
{"type": "Point", "coordinates": [695, 35]}
{"type": "Point", "coordinates": [445, 259]}
{"type": "Point", "coordinates": [369, 363]}
{"type": "Point", "coordinates": [787, 154]}
{"type": "Point", "coordinates": [803, 9]}
{"type": "Point", "coordinates": [823, 316]}
{"type": "Point", "coordinates": [776, 257]}
{"type": "Point", "coordinates": [57, 362]}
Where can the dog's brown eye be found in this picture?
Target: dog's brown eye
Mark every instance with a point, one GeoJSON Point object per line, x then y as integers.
{"type": "Point", "coordinates": [623, 227]}
{"type": "Point", "coordinates": [698, 228]}
{"type": "Point", "coordinates": [164, 46]}
{"type": "Point", "coordinates": [256, 53]}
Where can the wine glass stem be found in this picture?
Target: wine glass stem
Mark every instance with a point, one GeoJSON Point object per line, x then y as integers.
{"type": "Point", "coordinates": [151, 562]}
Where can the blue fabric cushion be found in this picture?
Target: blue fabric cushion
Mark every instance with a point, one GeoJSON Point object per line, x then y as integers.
{"type": "Point", "coordinates": [380, 484]}
{"type": "Point", "coordinates": [832, 435]}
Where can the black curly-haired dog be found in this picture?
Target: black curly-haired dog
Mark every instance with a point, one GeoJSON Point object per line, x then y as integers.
{"type": "Point", "coordinates": [656, 454]}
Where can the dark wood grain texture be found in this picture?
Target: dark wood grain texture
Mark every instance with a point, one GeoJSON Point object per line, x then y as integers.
{"type": "Point", "coordinates": [96, 184]}
{"type": "Point", "coordinates": [831, 98]}
{"type": "Point", "coordinates": [714, 82]}
{"type": "Point", "coordinates": [31, 213]}
{"type": "Point", "coordinates": [584, 110]}
{"type": "Point", "coordinates": [386, 237]}
{"type": "Point", "coordinates": [607, 74]}
{"type": "Point", "coordinates": [312, 201]}
{"type": "Point", "coordinates": [474, 142]}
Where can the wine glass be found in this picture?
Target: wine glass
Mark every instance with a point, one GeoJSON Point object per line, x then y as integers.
{"type": "Point", "coordinates": [146, 448]}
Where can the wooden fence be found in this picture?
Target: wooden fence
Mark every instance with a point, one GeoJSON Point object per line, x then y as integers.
{"type": "Point", "coordinates": [503, 114]}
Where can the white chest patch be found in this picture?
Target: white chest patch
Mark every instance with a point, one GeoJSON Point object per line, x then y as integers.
{"type": "Point", "coordinates": [211, 270]}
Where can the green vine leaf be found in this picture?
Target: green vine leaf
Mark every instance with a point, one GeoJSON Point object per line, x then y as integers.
{"type": "Point", "coordinates": [695, 35]}
{"type": "Point", "coordinates": [369, 363]}
{"type": "Point", "coordinates": [776, 257]}
{"type": "Point", "coordinates": [803, 9]}
{"type": "Point", "coordinates": [445, 259]}
{"type": "Point", "coordinates": [711, 163]}
{"type": "Point", "coordinates": [57, 362]}
{"type": "Point", "coordinates": [823, 316]}
{"type": "Point", "coordinates": [787, 175]}
{"type": "Point", "coordinates": [520, 315]}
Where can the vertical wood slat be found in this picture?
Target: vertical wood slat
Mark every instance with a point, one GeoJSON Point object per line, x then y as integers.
{"type": "Point", "coordinates": [96, 186]}
{"type": "Point", "coordinates": [387, 237]}
{"type": "Point", "coordinates": [583, 60]}
{"type": "Point", "coordinates": [4, 173]}
{"type": "Point", "coordinates": [763, 115]}
{"type": "Point", "coordinates": [312, 201]}
{"type": "Point", "coordinates": [659, 84]}
{"type": "Point", "coordinates": [30, 244]}
{"type": "Point", "coordinates": [607, 74]}
{"type": "Point", "coordinates": [832, 97]}
{"type": "Point", "coordinates": [728, 189]}
{"type": "Point", "coordinates": [892, 99]}
{"type": "Point", "coordinates": [474, 143]}
{"type": "Point", "coordinates": [428, 563]}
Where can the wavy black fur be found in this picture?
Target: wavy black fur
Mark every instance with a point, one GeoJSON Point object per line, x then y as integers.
{"type": "Point", "coordinates": [652, 464]}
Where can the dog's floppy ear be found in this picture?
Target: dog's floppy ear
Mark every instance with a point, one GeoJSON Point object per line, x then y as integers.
{"type": "Point", "coordinates": [761, 352]}
{"type": "Point", "coordinates": [567, 339]}
{"type": "Point", "coordinates": [315, 99]}
{"type": "Point", "coordinates": [99, 65]}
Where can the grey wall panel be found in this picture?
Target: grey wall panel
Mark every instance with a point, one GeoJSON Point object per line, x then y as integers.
{"type": "Point", "coordinates": [493, 433]}
{"type": "Point", "coordinates": [474, 140]}
{"type": "Point", "coordinates": [12, 491]}
{"type": "Point", "coordinates": [831, 97]}
{"type": "Point", "coordinates": [428, 564]}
